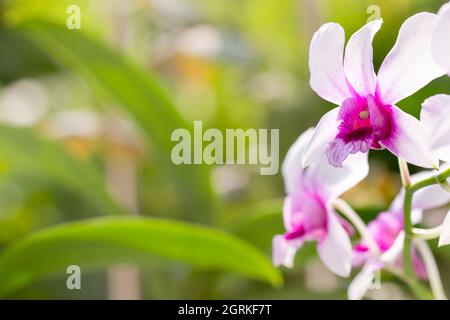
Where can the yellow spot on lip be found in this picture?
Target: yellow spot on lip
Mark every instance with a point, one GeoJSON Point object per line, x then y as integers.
{"type": "Point", "coordinates": [364, 114]}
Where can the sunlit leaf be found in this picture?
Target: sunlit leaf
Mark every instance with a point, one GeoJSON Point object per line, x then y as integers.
{"type": "Point", "coordinates": [258, 223]}
{"type": "Point", "coordinates": [114, 76]}
{"type": "Point", "coordinates": [23, 152]}
{"type": "Point", "coordinates": [98, 243]}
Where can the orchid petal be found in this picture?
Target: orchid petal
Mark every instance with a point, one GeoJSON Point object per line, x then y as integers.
{"type": "Point", "coordinates": [362, 282]}
{"type": "Point", "coordinates": [335, 250]}
{"type": "Point", "coordinates": [391, 255]}
{"type": "Point", "coordinates": [430, 198]}
{"type": "Point", "coordinates": [333, 181]}
{"type": "Point", "coordinates": [283, 251]}
{"type": "Point", "coordinates": [441, 43]}
{"type": "Point", "coordinates": [408, 140]}
{"type": "Point", "coordinates": [444, 238]}
{"type": "Point", "coordinates": [358, 61]}
{"type": "Point", "coordinates": [410, 64]}
{"type": "Point", "coordinates": [292, 164]}
{"type": "Point", "coordinates": [338, 151]}
{"type": "Point", "coordinates": [427, 198]}
{"type": "Point", "coordinates": [416, 216]}
{"type": "Point", "coordinates": [435, 116]}
{"type": "Point", "coordinates": [325, 132]}
{"type": "Point", "coordinates": [287, 213]}
{"type": "Point", "coordinates": [326, 64]}
{"type": "Point", "coordinates": [442, 153]}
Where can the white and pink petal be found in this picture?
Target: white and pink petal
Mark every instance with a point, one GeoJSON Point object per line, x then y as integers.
{"type": "Point", "coordinates": [325, 132]}
{"type": "Point", "coordinates": [440, 42]}
{"type": "Point", "coordinates": [444, 238]}
{"type": "Point", "coordinates": [408, 140]}
{"type": "Point", "coordinates": [333, 181]}
{"type": "Point", "coordinates": [283, 251]}
{"type": "Point", "coordinates": [326, 64]}
{"type": "Point", "coordinates": [435, 117]}
{"type": "Point", "coordinates": [363, 280]}
{"type": "Point", "coordinates": [410, 65]}
{"type": "Point", "coordinates": [428, 198]}
{"type": "Point", "coordinates": [292, 164]}
{"type": "Point", "coordinates": [335, 250]}
{"type": "Point", "coordinates": [358, 60]}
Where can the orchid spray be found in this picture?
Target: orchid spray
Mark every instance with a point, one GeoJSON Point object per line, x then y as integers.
{"type": "Point", "coordinates": [331, 158]}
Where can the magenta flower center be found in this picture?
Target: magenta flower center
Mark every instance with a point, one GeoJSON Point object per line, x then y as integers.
{"type": "Point", "coordinates": [308, 217]}
{"type": "Point", "coordinates": [385, 230]}
{"type": "Point", "coordinates": [364, 122]}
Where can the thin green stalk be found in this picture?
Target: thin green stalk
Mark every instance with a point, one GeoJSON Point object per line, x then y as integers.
{"type": "Point", "coordinates": [356, 221]}
{"type": "Point", "coordinates": [406, 182]}
{"type": "Point", "coordinates": [407, 206]}
{"type": "Point", "coordinates": [407, 261]}
{"type": "Point", "coordinates": [418, 290]}
{"type": "Point", "coordinates": [432, 269]}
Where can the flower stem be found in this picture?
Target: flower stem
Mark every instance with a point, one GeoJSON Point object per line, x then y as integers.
{"type": "Point", "coordinates": [407, 262]}
{"type": "Point", "coordinates": [354, 218]}
{"type": "Point", "coordinates": [416, 287]}
{"type": "Point", "coordinates": [407, 207]}
{"type": "Point", "coordinates": [406, 182]}
{"type": "Point", "coordinates": [432, 269]}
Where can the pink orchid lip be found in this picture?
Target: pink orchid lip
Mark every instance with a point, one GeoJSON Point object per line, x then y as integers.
{"type": "Point", "coordinates": [297, 233]}
{"type": "Point", "coordinates": [364, 122]}
{"type": "Point", "coordinates": [309, 217]}
{"type": "Point", "coordinates": [385, 229]}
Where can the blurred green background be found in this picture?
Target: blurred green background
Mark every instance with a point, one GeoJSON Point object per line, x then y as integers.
{"type": "Point", "coordinates": [85, 122]}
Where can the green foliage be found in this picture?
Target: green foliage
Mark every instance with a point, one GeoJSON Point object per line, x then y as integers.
{"type": "Point", "coordinates": [23, 152]}
{"type": "Point", "coordinates": [256, 76]}
{"type": "Point", "coordinates": [259, 223]}
{"type": "Point", "coordinates": [114, 76]}
{"type": "Point", "coordinates": [97, 243]}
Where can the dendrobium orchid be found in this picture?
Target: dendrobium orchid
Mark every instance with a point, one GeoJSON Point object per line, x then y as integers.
{"type": "Point", "coordinates": [308, 213]}
{"type": "Point", "coordinates": [367, 117]}
{"type": "Point", "coordinates": [387, 233]}
{"type": "Point", "coordinates": [331, 158]}
{"type": "Point", "coordinates": [440, 42]}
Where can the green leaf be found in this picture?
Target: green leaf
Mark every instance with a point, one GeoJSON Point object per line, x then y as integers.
{"type": "Point", "coordinates": [135, 89]}
{"type": "Point", "coordinates": [23, 152]}
{"type": "Point", "coordinates": [100, 242]}
{"type": "Point", "coordinates": [258, 223]}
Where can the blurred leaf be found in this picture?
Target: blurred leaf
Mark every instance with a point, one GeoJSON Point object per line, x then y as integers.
{"type": "Point", "coordinates": [136, 90]}
{"type": "Point", "coordinates": [98, 243]}
{"type": "Point", "coordinates": [21, 151]}
{"type": "Point", "coordinates": [16, 11]}
{"type": "Point", "coordinates": [20, 58]}
{"type": "Point", "coordinates": [258, 223]}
